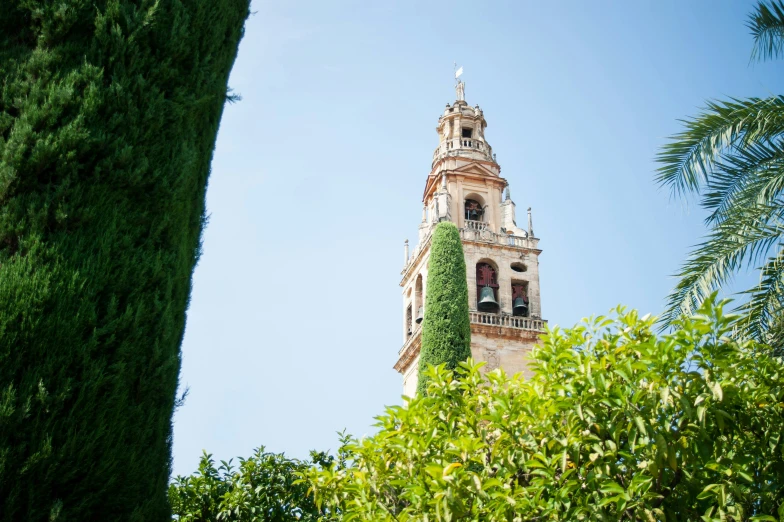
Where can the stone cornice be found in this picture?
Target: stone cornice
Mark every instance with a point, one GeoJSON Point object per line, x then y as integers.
{"type": "Point", "coordinates": [431, 185]}
{"type": "Point", "coordinates": [499, 246]}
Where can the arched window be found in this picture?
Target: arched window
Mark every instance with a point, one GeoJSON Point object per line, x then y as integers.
{"type": "Point", "coordinates": [520, 303]}
{"type": "Point", "coordinates": [419, 303]}
{"type": "Point", "coordinates": [474, 210]}
{"type": "Point", "coordinates": [409, 322]}
{"type": "Point", "coordinates": [486, 288]}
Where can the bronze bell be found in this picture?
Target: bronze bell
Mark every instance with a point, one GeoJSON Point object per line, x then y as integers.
{"type": "Point", "coordinates": [520, 307]}
{"type": "Point", "coordinates": [420, 315]}
{"type": "Point", "coordinates": [487, 302]}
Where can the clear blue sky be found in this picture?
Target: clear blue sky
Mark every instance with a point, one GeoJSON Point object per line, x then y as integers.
{"type": "Point", "coordinates": [294, 322]}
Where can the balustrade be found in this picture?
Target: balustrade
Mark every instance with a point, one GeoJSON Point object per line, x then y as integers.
{"type": "Point", "coordinates": [507, 321]}
{"type": "Point", "coordinates": [475, 225]}
{"type": "Point", "coordinates": [478, 231]}
{"type": "Point", "coordinates": [455, 144]}
{"type": "Point", "coordinates": [502, 320]}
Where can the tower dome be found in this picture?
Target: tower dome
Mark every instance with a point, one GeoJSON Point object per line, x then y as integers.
{"type": "Point", "coordinates": [461, 130]}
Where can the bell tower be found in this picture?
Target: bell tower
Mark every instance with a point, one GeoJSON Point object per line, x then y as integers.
{"type": "Point", "coordinates": [502, 260]}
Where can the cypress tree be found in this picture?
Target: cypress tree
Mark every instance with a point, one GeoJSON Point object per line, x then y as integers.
{"type": "Point", "coordinates": [446, 330]}
{"type": "Point", "coordinates": [109, 111]}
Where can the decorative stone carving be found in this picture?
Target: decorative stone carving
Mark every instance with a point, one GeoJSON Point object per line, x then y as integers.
{"type": "Point", "coordinates": [491, 356]}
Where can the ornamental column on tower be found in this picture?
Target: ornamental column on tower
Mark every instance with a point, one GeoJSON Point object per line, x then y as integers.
{"type": "Point", "coordinates": [502, 260]}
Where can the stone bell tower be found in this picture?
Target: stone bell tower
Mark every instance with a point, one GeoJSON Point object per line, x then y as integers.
{"type": "Point", "coordinates": [502, 260]}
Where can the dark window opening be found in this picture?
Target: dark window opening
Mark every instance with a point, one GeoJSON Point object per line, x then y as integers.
{"type": "Point", "coordinates": [486, 288]}
{"type": "Point", "coordinates": [473, 210]}
{"type": "Point", "coordinates": [409, 320]}
{"type": "Point", "coordinates": [519, 267]}
{"type": "Point", "coordinates": [520, 303]}
{"type": "Point", "coordinates": [467, 132]}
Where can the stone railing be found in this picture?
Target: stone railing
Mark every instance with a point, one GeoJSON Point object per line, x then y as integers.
{"type": "Point", "coordinates": [455, 145]}
{"type": "Point", "coordinates": [483, 235]}
{"type": "Point", "coordinates": [508, 321]}
{"type": "Point", "coordinates": [475, 225]}
{"type": "Point", "coordinates": [416, 332]}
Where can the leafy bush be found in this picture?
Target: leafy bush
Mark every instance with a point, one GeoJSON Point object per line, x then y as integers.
{"type": "Point", "coordinates": [446, 330]}
{"type": "Point", "coordinates": [615, 424]}
{"type": "Point", "coordinates": [263, 488]}
{"type": "Point", "coordinates": [109, 111]}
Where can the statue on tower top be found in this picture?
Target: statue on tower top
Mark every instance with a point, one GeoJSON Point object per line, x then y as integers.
{"type": "Point", "coordinates": [459, 85]}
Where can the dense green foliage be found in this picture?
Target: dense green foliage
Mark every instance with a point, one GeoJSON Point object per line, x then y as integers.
{"type": "Point", "coordinates": [615, 424]}
{"type": "Point", "coordinates": [264, 488]}
{"type": "Point", "coordinates": [733, 156]}
{"type": "Point", "coordinates": [109, 111]}
{"type": "Point", "coordinates": [446, 330]}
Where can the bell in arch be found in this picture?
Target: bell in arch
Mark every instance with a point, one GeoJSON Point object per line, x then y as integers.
{"type": "Point", "coordinates": [420, 315]}
{"type": "Point", "coordinates": [487, 302]}
{"type": "Point", "coordinates": [520, 307]}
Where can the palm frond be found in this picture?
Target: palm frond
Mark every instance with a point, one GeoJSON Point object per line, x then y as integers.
{"type": "Point", "coordinates": [767, 27]}
{"type": "Point", "coordinates": [745, 178]}
{"type": "Point", "coordinates": [763, 311]}
{"type": "Point", "coordinates": [689, 159]}
{"type": "Point", "coordinates": [733, 242]}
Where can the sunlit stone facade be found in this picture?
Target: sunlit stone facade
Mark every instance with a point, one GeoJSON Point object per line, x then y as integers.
{"type": "Point", "coordinates": [502, 260]}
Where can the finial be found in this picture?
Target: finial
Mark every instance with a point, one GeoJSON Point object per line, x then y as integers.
{"type": "Point", "coordinates": [405, 251]}
{"type": "Point", "coordinates": [424, 213]}
{"type": "Point", "coordinates": [507, 197]}
{"type": "Point", "coordinates": [530, 224]}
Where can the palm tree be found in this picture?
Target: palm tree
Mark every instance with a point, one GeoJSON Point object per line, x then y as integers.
{"type": "Point", "coordinates": [732, 157]}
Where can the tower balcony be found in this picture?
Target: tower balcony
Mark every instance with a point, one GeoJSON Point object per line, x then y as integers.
{"type": "Point", "coordinates": [509, 325]}
{"type": "Point", "coordinates": [508, 321]}
{"type": "Point", "coordinates": [468, 147]}
{"type": "Point", "coordinates": [479, 232]}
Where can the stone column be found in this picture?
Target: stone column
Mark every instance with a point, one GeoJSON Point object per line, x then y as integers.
{"type": "Point", "coordinates": [495, 197]}
{"type": "Point", "coordinates": [470, 259]}
{"type": "Point", "coordinates": [460, 202]}
{"type": "Point", "coordinates": [504, 286]}
{"type": "Point", "coordinates": [534, 299]}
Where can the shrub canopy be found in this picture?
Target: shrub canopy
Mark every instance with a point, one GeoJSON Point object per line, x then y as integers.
{"type": "Point", "coordinates": [615, 424]}
{"type": "Point", "coordinates": [265, 487]}
{"type": "Point", "coordinates": [446, 330]}
{"type": "Point", "coordinates": [109, 111]}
